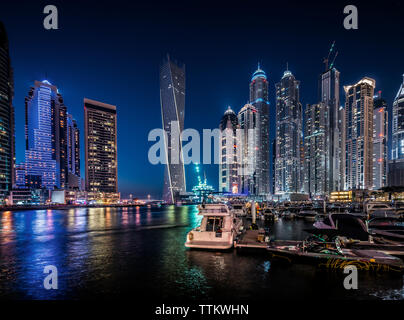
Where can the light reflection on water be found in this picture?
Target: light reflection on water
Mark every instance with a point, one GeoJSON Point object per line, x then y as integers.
{"type": "Point", "coordinates": [116, 252]}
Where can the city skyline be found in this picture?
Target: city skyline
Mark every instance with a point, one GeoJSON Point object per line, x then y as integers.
{"type": "Point", "coordinates": [238, 68]}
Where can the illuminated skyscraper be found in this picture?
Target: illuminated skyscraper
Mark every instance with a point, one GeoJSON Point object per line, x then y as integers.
{"type": "Point", "coordinates": [259, 99]}
{"type": "Point", "coordinates": [315, 137]}
{"type": "Point", "coordinates": [329, 90]}
{"type": "Point", "coordinates": [247, 152]}
{"type": "Point", "coordinates": [398, 125]}
{"type": "Point", "coordinates": [359, 134]}
{"type": "Point", "coordinates": [172, 99]}
{"type": "Point", "coordinates": [396, 165]}
{"type": "Point", "coordinates": [380, 137]}
{"type": "Point", "coordinates": [100, 141]}
{"type": "Point", "coordinates": [289, 136]}
{"type": "Point", "coordinates": [228, 160]}
{"type": "Point", "coordinates": [45, 135]}
{"type": "Point", "coordinates": [7, 154]}
{"type": "Point", "coordinates": [73, 152]}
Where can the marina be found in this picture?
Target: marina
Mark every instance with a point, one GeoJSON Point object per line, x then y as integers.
{"type": "Point", "coordinates": [105, 252]}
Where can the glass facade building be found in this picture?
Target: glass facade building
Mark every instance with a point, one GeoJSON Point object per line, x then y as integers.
{"type": "Point", "coordinates": [228, 160]}
{"type": "Point", "coordinates": [359, 134]}
{"type": "Point", "coordinates": [315, 137]}
{"type": "Point", "coordinates": [7, 153]}
{"type": "Point", "coordinates": [172, 100]}
{"type": "Point", "coordinates": [289, 136]}
{"type": "Point", "coordinates": [259, 99]}
{"type": "Point", "coordinates": [45, 135]}
{"type": "Point", "coordinates": [380, 139]}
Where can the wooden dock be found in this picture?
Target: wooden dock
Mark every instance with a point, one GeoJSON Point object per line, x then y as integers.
{"type": "Point", "coordinates": [251, 240]}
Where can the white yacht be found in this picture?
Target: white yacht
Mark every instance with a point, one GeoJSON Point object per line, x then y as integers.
{"type": "Point", "coordinates": [239, 209]}
{"type": "Point", "coordinates": [218, 230]}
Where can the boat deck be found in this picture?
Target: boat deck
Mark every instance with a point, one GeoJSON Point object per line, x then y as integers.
{"type": "Point", "coordinates": [249, 240]}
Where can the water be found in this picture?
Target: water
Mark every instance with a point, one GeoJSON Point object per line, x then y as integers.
{"type": "Point", "coordinates": [139, 252]}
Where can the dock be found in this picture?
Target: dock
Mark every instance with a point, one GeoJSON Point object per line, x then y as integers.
{"type": "Point", "coordinates": [251, 239]}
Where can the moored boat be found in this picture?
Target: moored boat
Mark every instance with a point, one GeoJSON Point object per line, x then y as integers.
{"type": "Point", "coordinates": [331, 256]}
{"type": "Point", "coordinates": [218, 230]}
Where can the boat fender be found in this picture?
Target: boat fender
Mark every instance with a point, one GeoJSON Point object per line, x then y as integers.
{"type": "Point", "coordinates": [191, 236]}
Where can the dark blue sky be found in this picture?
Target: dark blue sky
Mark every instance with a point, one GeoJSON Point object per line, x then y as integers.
{"type": "Point", "coordinates": [111, 51]}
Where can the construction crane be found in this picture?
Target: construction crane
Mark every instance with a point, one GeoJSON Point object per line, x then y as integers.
{"type": "Point", "coordinates": [326, 60]}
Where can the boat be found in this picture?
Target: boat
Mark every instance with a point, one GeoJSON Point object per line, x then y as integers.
{"type": "Point", "coordinates": [378, 206]}
{"type": "Point", "coordinates": [269, 214]}
{"type": "Point", "coordinates": [218, 230]}
{"type": "Point", "coordinates": [388, 228]}
{"type": "Point", "coordinates": [331, 255]}
{"type": "Point", "coordinates": [308, 215]}
{"type": "Point", "coordinates": [288, 215]}
{"type": "Point", "coordinates": [239, 209]}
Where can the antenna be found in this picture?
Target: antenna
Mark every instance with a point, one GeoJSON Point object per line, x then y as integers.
{"type": "Point", "coordinates": [287, 66]}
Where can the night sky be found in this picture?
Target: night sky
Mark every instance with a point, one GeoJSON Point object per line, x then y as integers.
{"type": "Point", "coordinates": [111, 51]}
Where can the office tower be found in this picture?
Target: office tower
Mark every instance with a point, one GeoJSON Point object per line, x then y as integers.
{"type": "Point", "coordinates": [289, 136]}
{"type": "Point", "coordinates": [228, 160]}
{"type": "Point", "coordinates": [7, 154]}
{"type": "Point", "coordinates": [259, 99]}
{"type": "Point", "coordinates": [329, 90]}
{"type": "Point", "coordinates": [45, 136]}
{"type": "Point", "coordinates": [172, 100]}
{"type": "Point", "coordinates": [273, 165]}
{"type": "Point", "coordinates": [359, 134]}
{"type": "Point", "coordinates": [20, 176]}
{"type": "Point", "coordinates": [315, 138]}
{"type": "Point", "coordinates": [100, 143]}
{"type": "Point", "coordinates": [380, 137]}
{"type": "Point", "coordinates": [398, 125]}
{"type": "Point", "coordinates": [396, 165]}
{"type": "Point", "coordinates": [73, 153]}
{"type": "Point", "coordinates": [248, 152]}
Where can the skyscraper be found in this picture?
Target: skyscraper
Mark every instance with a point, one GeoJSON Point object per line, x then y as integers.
{"type": "Point", "coordinates": [259, 99]}
{"type": "Point", "coordinates": [228, 160]}
{"type": "Point", "coordinates": [100, 140]}
{"type": "Point", "coordinates": [398, 124]}
{"type": "Point", "coordinates": [7, 154]}
{"type": "Point", "coordinates": [359, 134]}
{"type": "Point", "coordinates": [289, 135]}
{"type": "Point", "coordinates": [380, 137]}
{"type": "Point", "coordinates": [329, 88]}
{"type": "Point", "coordinates": [172, 100]}
{"type": "Point", "coordinates": [45, 135]}
{"type": "Point", "coordinates": [248, 150]}
{"type": "Point", "coordinates": [396, 165]}
{"type": "Point", "coordinates": [73, 152]}
{"type": "Point", "coordinates": [315, 137]}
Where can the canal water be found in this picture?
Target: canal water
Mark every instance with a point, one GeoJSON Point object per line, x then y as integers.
{"type": "Point", "coordinates": [139, 253]}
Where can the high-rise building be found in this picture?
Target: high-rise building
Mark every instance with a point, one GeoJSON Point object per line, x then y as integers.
{"type": "Point", "coordinates": [248, 150]}
{"type": "Point", "coordinates": [398, 125]}
{"type": "Point", "coordinates": [172, 100]}
{"type": "Point", "coordinates": [289, 136]}
{"type": "Point", "coordinates": [7, 154]}
{"type": "Point", "coordinates": [329, 90]}
{"type": "Point", "coordinates": [100, 140]}
{"type": "Point", "coordinates": [380, 137]}
{"type": "Point", "coordinates": [228, 160]}
{"type": "Point", "coordinates": [359, 134]}
{"type": "Point", "coordinates": [45, 135]}
{"type": "Point", "coordinates": [259, 99]}
{"type": "Point", "coordinates": [315, 137]}
{"type": "Point", "coordinates": [396, 165]}
{"type": "Point", "coordinates": [73, 152]}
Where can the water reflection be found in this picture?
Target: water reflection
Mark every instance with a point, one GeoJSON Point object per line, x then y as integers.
{"type": "Point", "coordinates": [113, 252]}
